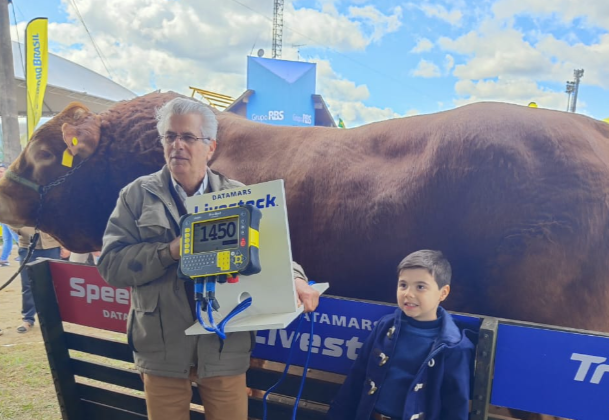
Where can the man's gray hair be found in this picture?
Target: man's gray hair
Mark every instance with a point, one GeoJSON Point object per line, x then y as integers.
{"type": "Point", "coordinates": [183, 106]}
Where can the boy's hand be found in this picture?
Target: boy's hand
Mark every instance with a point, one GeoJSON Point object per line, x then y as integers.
{"type": "Point", "coordinates": [306, 295]}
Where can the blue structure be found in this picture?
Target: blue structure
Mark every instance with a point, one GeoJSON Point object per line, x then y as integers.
{"type": "Point", "coordinates": [282, 92]}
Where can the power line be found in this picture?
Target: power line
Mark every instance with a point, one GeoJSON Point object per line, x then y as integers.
{"type": "Point", "coordinates": [99, 53]}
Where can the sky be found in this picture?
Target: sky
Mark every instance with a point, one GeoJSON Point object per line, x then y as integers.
{"type": "Point", "coordinates": [375, 59]}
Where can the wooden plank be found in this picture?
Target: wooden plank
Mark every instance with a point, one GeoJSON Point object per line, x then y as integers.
{"type": "Point", "coordinates": [314, 390]}
{"type": "Point", "coordinates": [54, 340]}
{"type": "Point", "coordinates": [95, 411]}
{"type": "Point", "coordinates": [111, 398]}
{"type": "Point", "coordinates": [281, 411]}
{"type": "Point", "coordinates": [99, 347]}
{"type": "Point", "coordinates": [126, 378]}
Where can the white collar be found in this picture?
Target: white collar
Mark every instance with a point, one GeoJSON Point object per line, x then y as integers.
{"type": "Point", "coordinates": [183, 194]}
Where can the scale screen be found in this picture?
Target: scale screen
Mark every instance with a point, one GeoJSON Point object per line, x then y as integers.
{"type": "Point", "coordinates": [216, 235]}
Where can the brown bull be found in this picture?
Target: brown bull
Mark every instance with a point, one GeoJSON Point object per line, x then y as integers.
{"type": "Point", "coordinates": [517, 198]}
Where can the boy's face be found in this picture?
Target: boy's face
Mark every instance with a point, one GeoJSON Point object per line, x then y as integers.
{"type": "Point", "coordinates": [419, 295]}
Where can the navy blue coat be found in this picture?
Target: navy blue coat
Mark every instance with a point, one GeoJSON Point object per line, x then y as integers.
{"type": "Point", "coordinates": [440, 390]}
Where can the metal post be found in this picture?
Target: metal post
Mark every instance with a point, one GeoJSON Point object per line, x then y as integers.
{"type": "Point", "coordinates": [8, 89]}
{"type": "Point", "coordinates": [277, 28]}
{"type": "Point", "coordinates": [578, 74]}
{"type": "Point", "coordinates": [483, 377]}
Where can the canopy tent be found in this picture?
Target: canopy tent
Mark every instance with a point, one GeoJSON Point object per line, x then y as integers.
{"type": "Point", "coordinates": [68, 82]}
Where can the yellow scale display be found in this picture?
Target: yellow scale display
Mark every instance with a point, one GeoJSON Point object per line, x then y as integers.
{"type": "Point", "coordinates": [220, 242]}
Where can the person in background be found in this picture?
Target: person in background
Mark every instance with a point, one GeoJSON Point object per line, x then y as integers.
{"type": "Point", "coordinates": [8, 236]}
{"type": "Point", "coordinates": [47, 247]}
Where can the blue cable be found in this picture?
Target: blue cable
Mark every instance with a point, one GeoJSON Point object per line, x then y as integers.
{"type": "Point", "coordinates": [304, 372]}
{"type": "Point", "coordinates": [210, 286]}
{"type": "Point", "coordinates": [285, 371]}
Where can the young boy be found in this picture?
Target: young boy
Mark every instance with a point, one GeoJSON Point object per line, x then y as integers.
{"type": "Point", "coordinates": [416, 362]}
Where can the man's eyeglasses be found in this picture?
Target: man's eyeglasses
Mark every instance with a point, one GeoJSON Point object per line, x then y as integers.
{"type": "Point", "coordinates": [170, 138]}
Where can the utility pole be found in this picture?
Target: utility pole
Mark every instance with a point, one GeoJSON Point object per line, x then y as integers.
{"type": "Point", "coordinates": [578, 74]}
{"type": "Point", "coordinates": [569, 91]}
{"type": "Point", "coordinates": [277, 28]}
{"type": "Point", "coordinates": [8, 89]}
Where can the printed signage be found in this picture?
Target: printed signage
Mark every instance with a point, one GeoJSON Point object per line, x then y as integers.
{"type": "Point", "coordinates": [340, 325]}
{"type": "Point", "coordinates": [282, 91]}
{"type": "Point", "coordinates": [84, 298]}
{"type": "Point", "coordinates": [544, 371]}
{"type": "Point", "coordinates": [340, 328]}
{"type": "Point", "coordinates": [552, 372]}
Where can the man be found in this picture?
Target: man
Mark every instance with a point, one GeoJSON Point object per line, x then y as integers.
{"type": "Point", "coordinates": [46, 247]}
{"type": "Point", "coordinates": [141, 251]}
{"type": "Point", "coordinates": [8, 236]}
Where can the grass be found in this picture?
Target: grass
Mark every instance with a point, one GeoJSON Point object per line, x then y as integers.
{"type": "Point", "coordinates": [26, 386]}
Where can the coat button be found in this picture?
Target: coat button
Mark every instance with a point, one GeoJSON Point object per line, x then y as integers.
{"type": "Point", "coordinates": [390, 332]}
{"type": "Point", "coordinates": [417, 387]}
{"type": "Point", "coordinates": [373, 388]}
{"type": "Point", "coordinates": [431, 363]}
{"type": "Point", "coordinates": [384, 359]}
{"type": "Point", "coordinates": [417, 416]}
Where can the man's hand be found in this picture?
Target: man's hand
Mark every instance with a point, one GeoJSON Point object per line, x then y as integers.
{"type": "Point", "coordinates": [174, 248]}
{"type": "Point", "coordinates": [306, 295]}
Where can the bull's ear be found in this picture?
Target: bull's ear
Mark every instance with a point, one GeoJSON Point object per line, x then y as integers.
{"type": "Point", "coordinates": [81, 131]}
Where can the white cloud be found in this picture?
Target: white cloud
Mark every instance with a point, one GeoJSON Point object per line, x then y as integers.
{"type": "Point", "coordinates": [593, 12]}
{"type": "Point", "coordinates": [382, 24]}
{"type": "Point", "coordinates": [346, 99]}
{"type": "Point", "coordinates": [156, 44]}
{"type": "Point", "coordinates": [449, 63]}
{"type": "Point", "coordinates": [423, 45]}
{"type": "Point", "coordinates": [426, 69]}
{"type": "Point", "coordinates": [356, 113]}
{"type": "Point", "coordinates": [333, 85]}
{"type": "Point", "coordinates": [453, 17]}
{"type": "Point", "coordinates": [328, 29]}
{"type": "Point", "coordinates": [518, 91]}
{"type": "Point", "coordinates": [502, 51]}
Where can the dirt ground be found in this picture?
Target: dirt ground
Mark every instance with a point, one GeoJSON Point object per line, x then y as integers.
{"type": "Point", "coordinates": [26, 386]}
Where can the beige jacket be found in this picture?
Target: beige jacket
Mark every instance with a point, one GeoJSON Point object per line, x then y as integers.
{"type": "Point", "coordinates": [135, 254]}
{"type": "Point", "coordinates": [45, 241]}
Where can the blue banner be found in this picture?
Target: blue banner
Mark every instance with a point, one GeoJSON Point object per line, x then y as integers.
{"type": "Point", "coordinates": [552, 372]}
{"type": "Point", "coordinates": [282, 92]}
{"type": "Point", "coordinates": [340, 328]}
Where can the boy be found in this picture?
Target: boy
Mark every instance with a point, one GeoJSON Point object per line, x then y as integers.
{"type": "Point", "coordinates": [416, 363]}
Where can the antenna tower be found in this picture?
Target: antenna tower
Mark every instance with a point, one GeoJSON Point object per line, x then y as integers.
{"type": "Point", "coordinates": [577, 74]}
{"type": "Point", "coordinates": [277, 28]}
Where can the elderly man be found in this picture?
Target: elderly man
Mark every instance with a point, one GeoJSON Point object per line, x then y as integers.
{"type": "Point", "coordinates": [141, 251]}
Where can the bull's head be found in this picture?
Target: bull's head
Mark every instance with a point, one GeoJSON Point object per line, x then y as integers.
{"type": "Point", "coordinates": [74, 132]}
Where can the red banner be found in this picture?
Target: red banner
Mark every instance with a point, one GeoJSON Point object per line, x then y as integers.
{"type": "Point", "coordinates": [84, 298]}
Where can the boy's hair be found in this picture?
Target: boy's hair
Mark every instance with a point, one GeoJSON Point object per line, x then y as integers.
{"type": "Point", "coordinates": [433, 261]}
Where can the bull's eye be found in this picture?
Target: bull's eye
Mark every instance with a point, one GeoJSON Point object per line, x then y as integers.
{"type": "Point", "coordinates": [43, 155]}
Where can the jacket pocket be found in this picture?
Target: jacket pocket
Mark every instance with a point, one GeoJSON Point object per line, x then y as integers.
{"type": "Point", "coordinates": [145, 329]}
{"type": "Point", "coordinates": [239, 342]}
{"type": "Point", "coordinates": [154, 224]}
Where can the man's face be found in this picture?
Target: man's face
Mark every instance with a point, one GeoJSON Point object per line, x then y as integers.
{"type": "Point", "coordinates": [418, 294]}
{"type": "Point", "coordinates": [187, 161]}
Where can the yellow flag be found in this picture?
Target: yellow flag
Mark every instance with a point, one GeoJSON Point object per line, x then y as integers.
{"type": "Point", "coordinates": [36, 71]}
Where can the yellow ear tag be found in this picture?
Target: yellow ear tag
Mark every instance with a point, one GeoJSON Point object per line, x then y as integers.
{"type": "Point", "coordinates": [74, 141]}
{"type": "Point", "coordinates": [67, 158]}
